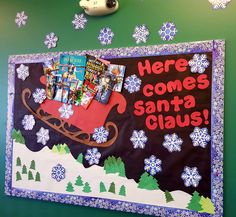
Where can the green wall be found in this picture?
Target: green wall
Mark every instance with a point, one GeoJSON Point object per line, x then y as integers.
{"type": "Point", "coordinates": [195, 21]}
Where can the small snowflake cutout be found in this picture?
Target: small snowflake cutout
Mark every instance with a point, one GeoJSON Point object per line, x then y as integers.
{"type": "Point", "coordinates": [199, 63]}
{"type": "Point", "coordinates": [152, 165]}
{"type": "Point", "coordinates": [28, 122]}
{"type": "Point", "coordinates": [51, 40]}
{"type": "Point", "coordinates": [58, 172]}
{"type": "Point", "coordinates": [106, 36]}
{"type": "Point", "coordinates": [138, 139]}
{"type": "Point", "coordinates": [66, 111]}
{"type": "Point", "coordinates": [93, 156]}
{"type": "Point", "coordinates": [191, 176]}
{"type": "Point", "coordinates": [132, 83]}
{"type": "Point", "coordinates": [43, 136]}
{"type": "Point", "coordinates": [39, 95]}
{"type": "Point", "coordinates": [172, 142]}
{"type": "Point", "coordinates": [22, 72]}
{"type": "Point", "coordinates": [168, 31]}
{"type": "Point", "coordinates": [141, 34]}
{"type": "Point", "coordinates": [219, 4]}
{"type": "Point", "coordinates": [200, 137]}
{"type": "Point", "coordinates": [21, 19]}
{"type": "Point", "coordinates": [79, 21]}
{"type": "Point", "coordinates": [100, 134]}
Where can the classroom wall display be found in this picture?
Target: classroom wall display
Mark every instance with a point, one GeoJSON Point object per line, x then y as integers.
{"type": "Point", "coordinates": [154, 147]}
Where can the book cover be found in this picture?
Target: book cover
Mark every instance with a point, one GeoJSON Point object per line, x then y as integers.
{"type": "Point", "coordinates": [88, 93]}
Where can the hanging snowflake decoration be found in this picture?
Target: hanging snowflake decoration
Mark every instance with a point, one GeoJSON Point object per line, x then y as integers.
{"type": "Point", "coordinates": [200, 137]}
{"type": "Point", "coordinates": [58, 172]}
{"type": "Point", "coordinates": [219, 4]}
{"type": "Point", "coordinates": [66, 111]}
{"type": "Point", "coordinates": [100, 134]}
{"type": "Point", "coordinates": [39, 95]}
{"type": "Point", "coordinates": [106, 36]}
{"type": "Point", "coordinates": [43, 136]}
{"type": "Point", "coordinates": [168, 31]}
{"type": "Point", "coordinates": [191, 176]}
{"type": "Point", "coordinates": [28, 122]}
{"type": "Point", "coordinates": [93, 156]}
{"type": "Point", "coordinates": [152, 165]}
{"type": "Point", "coordinates": [141, 34]}
{"type": "Point", "coordinates": [51, 40]}
{"type": "Point", "coordinates": [22, 72]}
{"type": "Point", "coordinates": [138, 139]}
{"type": "Point", "coordinates": [21, 19]}
{"type": "Point", "coordinates": [132, 83]}
{"type": "Point", "coordinates": [172, 142]}
{"type": "Point", "coordinates": [199, 63]}
{"type": "Point", "coordinates": [79, 21]}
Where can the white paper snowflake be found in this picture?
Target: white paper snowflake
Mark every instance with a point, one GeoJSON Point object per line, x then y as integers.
{"type": "Point", "coordinates": [132, 83]}
{"type": "Point", "coordinates": [138, 139]}
{"type": "Point", "coordinates": [172, 142]}
{"type": "Point", "coordinates": [43, 136]}
{"type": "Point", "coordinates": [191, 176]}
{"type": "Point", "coordinates": [79, 21]}
{"type": "Point", "coordinates": [219, 4]}
{"type": "Point", "coordinates": [141, 34]}
{"type": "Point", "coordinates": [28, 122]}
{"type": "Point", "coordinates": [100, 134]}
{"type": "Point", "coordinates": [39, 95]}
{"type": "Point", "coordinates": [200, 137]}
{"type": "Point", "coordinates": [21, 19]}
{"type": "Point", "coordinates": [51, 40]}
{"type": "Point", "coordinates": [106, 36]}
{"type": "Point", "coordinates": [152, 165]}
{"type": "Point", "coordinates": [199, 63]}
{"type": "Point", "coordinates": [66, 111]}
{"type": "Point", "coordinates": [58, 172]}
{"type": "Point", "coordinates": [168, 31]}
{"type": "Point", "coordinates": [93, 156]}
{"type": "Point", "coordinates": [22, 72]}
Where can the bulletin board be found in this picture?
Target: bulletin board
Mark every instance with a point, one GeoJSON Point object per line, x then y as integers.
{"type": "Point", "coordinates": [155, 148]}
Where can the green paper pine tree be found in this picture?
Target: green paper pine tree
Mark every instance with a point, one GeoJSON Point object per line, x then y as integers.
{"type": "Point", "coordinates": [113, 165]}
{"type": "Point", "coordinates": [37, 177]}
{"type": "Point", "coordinates": [79, 181]}
{"type": "Point", "coordinates": [87, 188]}
{"type": "Point", "coordinates": [54, 149]}
{"type": "Point", "coordinates": [18, 176]}
{"type": "Point", "coordinates": [148, 182]}
{"type": "Point", "coordinates": [80, 158]}
{"type": "Point", "coordinates": [69, 187]}
{"type": "Point", "coordinates": [17, 136]}
{"type": "Point", "coordinates": [112, 188]}
{"type": "Point", "coordinates": [194, 203]}
{"type": "Point", "coordinates": [102, 187]}
{"type": "Point", "coordinates": [24, 169]}
{"type": "Point", "coordinates": [168, 197]}
{"type": "Point", "coordinates": [122, 191]}
{"type": "Point", "coordinates": [18, 161]}
{"type": "Point", "coordinates": [207, 205]}
{"type": "Point", "coordinates": [30, 175]}
{"type": "Point", "coordinates": [32, 165]}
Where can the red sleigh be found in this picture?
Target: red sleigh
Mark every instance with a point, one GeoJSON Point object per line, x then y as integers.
{"type": "Point", "coordinates": [84, 120]}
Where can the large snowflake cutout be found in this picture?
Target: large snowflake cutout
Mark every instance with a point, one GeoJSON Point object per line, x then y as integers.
{"type": "Point", "coordinates": [93, 156]}
{"type": "Point", "coordinates": [200, 137]}
{"type": "Point", "coordinates": [219, 4]}
{"type": "Point", "coordinates": [100, 134]}
{"type": "Point", "coordinates": [168, 31]}
{"type": "Point", "coordinates": [172, 142]}
{"type": "Point", "coordinates": [138, 139]}
{"type": "Point", "coordinates": [21, 19]}
{"type": "Point", "coordinates": [58, 172]}
{"type": "Point", "coordinates": [199, 63]}
{"type": "Point", "coordinates": [39, 95]}
{"type": "Point", "coordinates": [141, 34]}
{"type": "Point", "coordinates": [132, 83]}
{"type": "Point", "coordinates": [51, 40]}
{"type": "Point", "coordinates": [191, 176]}
{"type": "Point", "coordinates": [106, 36]}
{"type": "Point", "coordinates": [43, 136]}
{"type": "Point", "coordinates": [79, 21]}
{"type": "Point", "coordinates": [152, 165]}
{"type": "Point", "coordinates": [28, 122]}
{"type": "Point", "coordinates": [66, 111]}
{"type": "Point", "coordinates": [22, 72]}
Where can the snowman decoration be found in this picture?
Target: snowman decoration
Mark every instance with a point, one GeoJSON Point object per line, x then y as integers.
{"type": "Point", "coordinates": [99, 7]}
